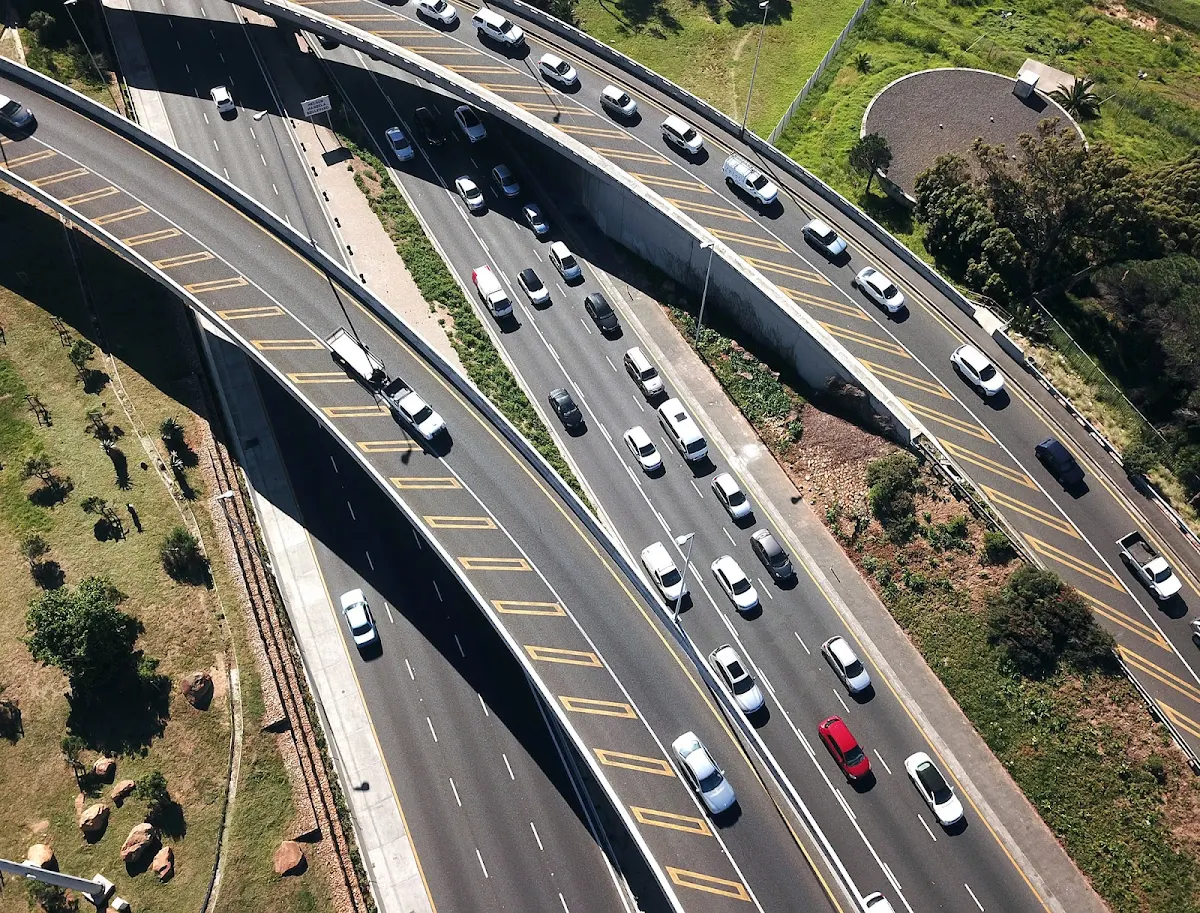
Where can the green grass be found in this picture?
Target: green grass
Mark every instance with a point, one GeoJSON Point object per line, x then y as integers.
{"type": "Point", "coordinates": [709, 47]}
{"type": "Point", "coordinates": [1147, 121]}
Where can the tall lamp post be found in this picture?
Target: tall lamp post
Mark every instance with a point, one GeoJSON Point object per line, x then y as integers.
{"type": "Point", "coordinates": [764, 6]}
{"type": "Point", "coordinates": [78, 31]}
{"type": "Point", "coordinates": [681, 541]}
{"type": "Point", "coordinates": [704, 245]}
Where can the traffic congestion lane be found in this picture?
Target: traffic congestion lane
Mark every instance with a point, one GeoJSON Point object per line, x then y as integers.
{"type": "Point", "coordinates": [608, 399]}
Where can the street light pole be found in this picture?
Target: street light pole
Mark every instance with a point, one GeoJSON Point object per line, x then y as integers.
{"type": "Point", "coordinates": [764, 6]}
{"type": "Point", "coordinates": [78, 31]}
{"type": "Point", "coordinates": [690, 539]}
{"type": "Point", "coordinates": [704, 245]}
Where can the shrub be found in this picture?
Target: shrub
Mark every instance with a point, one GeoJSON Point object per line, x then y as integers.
{"type": "Point", "coordinates": [152, 789]}
{"type": "Point", "coordinates": [892, 482]}
{"type": "Point", "coordinates": [1139, 459]}
{"type": "Point", "coordinates": [997, 548]}
{"type": "Point", "coordinates": [1041, 622]}
{"type": "Point", "coordinates": [181, 556]}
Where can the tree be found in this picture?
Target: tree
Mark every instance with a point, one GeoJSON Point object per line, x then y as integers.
{"type": "Point", "coordinates": [171, 432]}
{"type": "Point", "coordinates": [152, 789]}
{"type": "Point", "coordinates": [870, 153]}
{"type": "Point", "coordinates": [34, 548]}
{"type": "Point", "coordinates": [893, 482]}
{"type": "Point", "coordinates": [51, 898]}
{"type": "Point", "coordinates": [83, 633]}
{"type": "Point", "coordinates": [1078, 99]}
{"type": "Point", "coordinates": [81, 353]}
{"type": "Point", "coordinates": [39, 466]}
{"type": "Point", "coordinates": [181, 556]}
{"type": "Point", "coordinates": [99, 428]}
{"type": "Point", "coordinates": [72, 747]}
{"type": "Point", "coordinates": [1041, 622]}
{"type": "Point", "coordinates": [862, 62]}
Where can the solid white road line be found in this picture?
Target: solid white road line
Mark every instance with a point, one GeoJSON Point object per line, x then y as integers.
{"type": "Point", "coordinates": [973, 897]}
{"type": "Point", "coordinates": [410, 671]}
{"type": "Point", "coordinates": [842, 702]}
{"type": "Point", "coordinates": [481, 865]}
{"type": "Point", "coordinates": [369, 561]}
{"type": "Point", "coordinates": [387, 608]}
{"type": "Point", "coordinates": [350, 507]}
{"type": "Point", "coordinates": [431, 729]}
{"type": "Point", "coordinates": [436, 590]}
{"type": "Point", "coordinates": [882, 761]}
{"type": "Point", "coordinates": [482, 704]}
{"type": "Point", "coordinates": [921, 818]}
{"type": "Point", "coordinates": [511, 775]}
{"type": "Point", "coordinates": [802, 643]}
{"type": "Point", "coordinates": [536, 837]}
{"type": "Point", "coordinates": [455, 788]}
{"type": "Point", "coordinates": [458, 643]}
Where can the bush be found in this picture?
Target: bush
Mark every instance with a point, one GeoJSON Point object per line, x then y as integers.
{"type": "Point", "coordinates": [152, 789]}
{"type": "Point", "coordinates": [1041, 622]}
{"type": "Point", "coordinates": [181, 556]}
{"type": "Point", "coordinates": [892, 482]}
{"type": "Point", "coordinates": [997, 548]}
{"type": "Point", "coordinates": [1139, 460]}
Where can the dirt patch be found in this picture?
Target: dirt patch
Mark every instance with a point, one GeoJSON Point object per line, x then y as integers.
{"type": "Point", "coordinates": [1136, 18]}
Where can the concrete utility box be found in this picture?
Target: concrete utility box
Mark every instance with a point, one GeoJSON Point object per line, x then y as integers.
{"type": "Point", "coordinates": [1026, 82]}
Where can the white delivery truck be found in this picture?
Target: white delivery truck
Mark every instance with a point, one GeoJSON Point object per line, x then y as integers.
{"type": "Point", "coordinates": [491, 291]}
{"type": "Point", "coordinates": [1149, 566]}
{"type": "Point", "coordinates": [357, 359]}
{"type": "Point", "coordinates": [741, 175]}
{"type": "Point", "coordinates": [410, 408]}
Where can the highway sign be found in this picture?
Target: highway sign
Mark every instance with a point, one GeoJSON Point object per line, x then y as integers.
{"type": "Point", "coordinates": [318, 105]}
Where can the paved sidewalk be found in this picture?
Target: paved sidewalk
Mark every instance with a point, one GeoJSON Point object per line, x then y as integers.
{"type": "Point", "coordinates": [135, 69]}
{"type": "Point", "coordinates": [1022, 833]}
{"type": "Point", "coordinates": [396, 879]}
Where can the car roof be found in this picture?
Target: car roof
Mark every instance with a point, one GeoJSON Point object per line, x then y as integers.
{"type": "Point", "coordinates": [840, 733]}
{"type": "Point", "coordinates": [464, 181]}
{"type": "Point", "coordinates": [656, 555]}
{"type": "Point", "coordinates": [695, 755]}
{"type": "Point", "coordinates": [613, 92]}
{"type": "Point", "coordinates": [726, 482]}
{"type": "Point", "coordinates": [819, 226]}
{"type": "Point", "coordinates": [725, 654]}
{"type": "Point", "coordinates": [842, 651]}
{"type": "Point", "coordinates": [973, 357]}
{"type": "Point", "coordinates": [1054, 446]}
{"type": "Point", "coordinates": [879, 280]}
{"type": "Point", "coordinates": [501, 171]}
{"type": "Point", "coordinates": [638, 435]}
{"type": "Point", "coordinates": [527, 273]}
{"type": "Point", "coordinates": [767, 540]}
{"type": "Point", "coordinates": [729, 567]}
{"type": "Point", "coordinates": [559, 248]}
{"type": "Point", "coordinates": [551, 60]}
{"type": "Point", "coordinates": [351, 597]}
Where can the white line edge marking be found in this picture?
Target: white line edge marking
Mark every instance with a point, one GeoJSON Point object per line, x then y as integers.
{"type": "Point", "coordinates": [431, 729]}
{"type": "Point", "coordinates": [543, 849]}
{"type": "Point", "coordinates": [455, 789]}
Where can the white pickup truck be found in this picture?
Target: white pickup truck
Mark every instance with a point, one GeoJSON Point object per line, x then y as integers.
{"type": "Point", "coordinates": [357, 359]}
{"type": "Point", "coordinates": [491, 291]}
{"type": "Point", "coordinates": [410, 408]}
{"type": "Point", "coordinates": [743, 176]}
{"type": "Point", "coordinates": [1150, 567]}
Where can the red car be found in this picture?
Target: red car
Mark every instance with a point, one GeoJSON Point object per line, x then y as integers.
{"type": "Point", "coordinates": [845, 748]}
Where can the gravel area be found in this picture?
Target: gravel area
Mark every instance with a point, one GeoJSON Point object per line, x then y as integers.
{"type": "Point", "coordinates": [940, 111]}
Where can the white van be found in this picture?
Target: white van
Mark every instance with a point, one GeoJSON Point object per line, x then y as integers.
{"type": "Point", "coordinates": [491, 291]}
{"type": "Point", "coordinates": [741, 175]}
{"type": "Point", "coordinates": [499, 29]}
{"type": "Point", "coordinates": [682, 135]}
{"type": "Point", "coordinates": [682, 430]}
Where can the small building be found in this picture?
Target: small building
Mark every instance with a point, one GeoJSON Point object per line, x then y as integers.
{"type": "Point", "coordinates": [1027, 81]}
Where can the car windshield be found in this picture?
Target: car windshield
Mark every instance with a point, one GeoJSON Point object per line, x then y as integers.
{"type": "Point", "coordinates": [648, 373]}
{"type": "Point", "coordinates": [532, 282]}
{"type": "Point", "coordinates": [646, 449]}
{"type": "Point", "coordinates": [825, 233]}
{"type": "Point", "coordinates": [422, 414]}
{"type": "Point", "coordinates": [695, 446]}
{"type": "Point", "coordinates": [736, 498]}
{"type": "Point", "coordinates": [689, 134]}
{"type": "Point", "coordinates": [622, 99]}
{"type": "Point", "coordinates": [854, 756]}
{"type": "Point", "coordinates": [438, 5]}
{"type": "Point", "coordinates": [1162, 574]}
{"type": "Point", "coordinates": [889, 291]}
{"type": "Point", "coordinates": [739, 585]}
{"type": "Point", "coordinates": [561, 67]}
{"type": "Point", "coordinates": [711, 782]}
{"type": "Point", "coordinates": [468, 117]}
{"type": "Point", "coordinates": [854, 669]}
{"type": "Point", "coordinates": [568, 262]}
{"type": "Point", "coordinates": [10, 109]}
{"type": "Point", "coordinates": [987, 372]}
{"type": "Point", "coordinates": [670, 577]}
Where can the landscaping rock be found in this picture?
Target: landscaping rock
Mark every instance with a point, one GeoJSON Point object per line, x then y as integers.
{"type": "Point", "coordinates": [289, 858]}
{"type": "Point", "coordinates": [142, 839]}
{"type": "Point", "coordinates": [122, 791]}
{"type": "Point", "coordinates": [42, 856]}
{"type": "Point", "coordinates": [197, 689]}
{"type": "Point", "coordinates": [105, 768]}
{"type": "Point", "coordinates": [94, 819]}
{"type": "Point", "coordinates": [164, 863]}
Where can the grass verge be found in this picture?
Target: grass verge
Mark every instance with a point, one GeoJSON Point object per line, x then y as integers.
{"type": "Point", "coordinates": [438, 286]}
{"type": "Point", "coordinates": [146, 330]}
{"type": "Point", "coordinates": [1126, 813]}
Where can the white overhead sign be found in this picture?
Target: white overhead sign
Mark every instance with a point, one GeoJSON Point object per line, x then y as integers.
{"type": "Point", "coordinates": [317, 105]}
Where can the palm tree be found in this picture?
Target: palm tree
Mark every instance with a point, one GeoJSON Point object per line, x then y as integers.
{"type": "Point", "coordinates": [1078, 99]}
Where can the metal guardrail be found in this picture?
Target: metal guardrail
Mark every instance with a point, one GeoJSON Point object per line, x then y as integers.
{"type": "Point", "coordinates": [817, 74]}
{"type": "Point", "coordinates": [1156, 712]}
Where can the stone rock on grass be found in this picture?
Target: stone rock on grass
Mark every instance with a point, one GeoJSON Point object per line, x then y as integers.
{"type": "Point", "coordinates": [164, 863]}
{"type": "Point", "coordinates": [122, 791]}
{"type": "Point", "coordinates": [289, 858]}
{"type": "Point", "coordinates": [41, 855]}
{"type": "Point", "coordinates": [197, 689]}
{"type": "Point", "coordinates": [104, 768]}
{"type": "Point", "coordinates": [94, 819]}
{"type": "Point", "coordinates": [142, 839]}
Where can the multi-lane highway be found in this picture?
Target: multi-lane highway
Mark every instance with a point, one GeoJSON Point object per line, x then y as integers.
{"type": "Point", "coordinates": [992, 440]}
{"type": "Point", "coordinates": [518, 548]}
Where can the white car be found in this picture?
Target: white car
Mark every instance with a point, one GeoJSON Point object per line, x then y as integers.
{"type": "Point", "coordinates": [617, 101]}
{"type": "Point", "coordinates": [824, 239]}
{"type": "Point", "coordinates": [737, 586]}
{"type": "Point", "coordinates": [731, 496]}
{"type": "Point", "coordinates": [846, 665]}
{"type": "Point", "coordinates": [420, 415]}
{"type": "Point", "coordinates": [643, 449]}
{"type": "Point", "coordinates": [437, 11]}
{"type": "Point", "coordinates": [933, 789]}
{"type": "Point", "coordinates": [222, 99]}
{"type": "Point", "coordinates": [702, 773]}
{"type": "Point", "coordinates": [978, 369]}
{"type": "Point", "coordinates": [662, 570]}
{"type": "Point", "coordinates": [728, 665]}
{"type": "Point", "coordinates": [533, 287]}
{"type": "Point", "coordinates": [557, 70]}
{"type": "Point", "coordinates": [399, 144]}
{"type": "Point", "coordinates": [564, 261]}
{"type": "Point", "coordinates": [469, 123]}
{"type": "Point", "coordinates": [470, 193]}
{"type": "Point", "coordinates": [880, 289]}
{"type": "Point", "coordinates": [358, 619]}
{"type": "Point", "coordinates": [532, 214]}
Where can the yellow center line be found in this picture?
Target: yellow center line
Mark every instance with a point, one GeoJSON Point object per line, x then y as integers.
{"type": "Point", "coordinates": [598, 707]}
{"type": "Point", "coordinates": [792, 272]}
{"type": "Point", "coordinates": [1100, 575]}
{"type": "Point", "coordinates": [561, 655]}
{"type": "Point", "coordinates": [970, 456]}
{"type": "Point", "coordinates": [1140, 628]}
{"type": "Point", "coordinates": [637, 762]}
{"type": "Point", "coordinates": [685, 823]}
{"type": "Point", "coordinates": [708, 883]}
{"type": "Point", "coordinates": [957, 424]}
{"type": "Point", "coordinates": [1004, 501]}
{"type": "Point", "coordinates": [862, 339]}
{"type": "Point", "coordinates": [1181, 721]}
{"type": "Point", "coordinates": [706, 209]}
{"type": "Point", "coordinates": [846, 310]}
{"type": "Point", "coordinates": [1157, 672]}
{"type": "Point", "coordinates": [676, 183]}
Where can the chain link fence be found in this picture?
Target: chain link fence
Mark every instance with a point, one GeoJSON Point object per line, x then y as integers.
{"type": "Point", "coordinates": [812, 80]}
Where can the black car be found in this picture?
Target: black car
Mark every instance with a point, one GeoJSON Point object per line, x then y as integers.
{"type": "Point", "coordinates": [566, 410]}
{"type": "Point", "coordinates": [427, 123]}
{"type": "Point", "coordinates": [14, 115]}
{"type": "Point", "coordinates": [327, 43]}
{"type": "Point", "coordinates": [768, 550]}
{"type": "Point", "coordinates": [1057, 458]}
{"type": "Point", "coordinates": [601, 312]}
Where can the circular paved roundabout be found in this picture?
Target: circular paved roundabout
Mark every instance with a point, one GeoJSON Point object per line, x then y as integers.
{"type": "Point", "coordinates": [935, 112]}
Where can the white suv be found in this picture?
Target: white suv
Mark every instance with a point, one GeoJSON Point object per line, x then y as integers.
{"type": "Point", "coordinates": [683, 432]}
{"type": "Point", "coordinates": [499, 29]}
